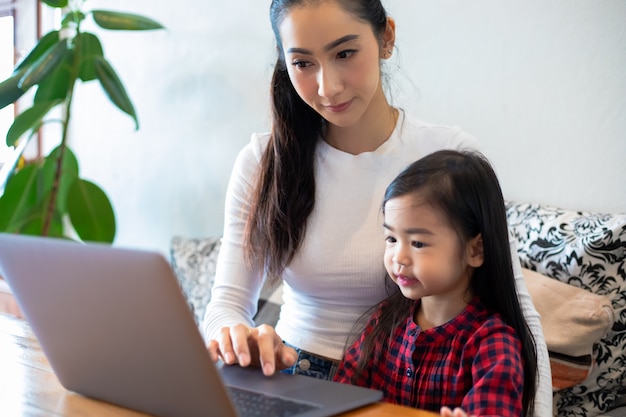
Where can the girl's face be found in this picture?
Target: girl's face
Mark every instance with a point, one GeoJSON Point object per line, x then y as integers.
{"type": "Point", "coordinates": [333, 61]}
{"type": "Point", "coordinates": [423, 254]}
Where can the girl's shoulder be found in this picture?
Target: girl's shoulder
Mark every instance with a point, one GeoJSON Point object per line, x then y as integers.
{"type": "Point", "coordinates": [491, 324]}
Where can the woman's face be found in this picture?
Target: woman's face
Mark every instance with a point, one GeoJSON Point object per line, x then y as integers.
{"type": "Point", "coordinates": [333, 61]}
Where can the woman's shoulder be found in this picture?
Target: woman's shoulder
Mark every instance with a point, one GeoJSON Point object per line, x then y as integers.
{"type": "Point", "coordinates": [256, 146]}
{"type": "Point", "coordinates": [249, 156]}
{"type": "Point", "coordinates": [435, 136]}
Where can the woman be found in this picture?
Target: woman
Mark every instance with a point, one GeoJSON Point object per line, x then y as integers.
{"type": "Point", "coordinates": [303, 201]}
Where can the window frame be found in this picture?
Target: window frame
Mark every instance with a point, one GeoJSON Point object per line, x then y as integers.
{"type": "Point", "coordinates": [28, 28]}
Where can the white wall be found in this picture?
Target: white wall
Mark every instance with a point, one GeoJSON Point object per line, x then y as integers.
{"type": "Point", "coordinates": [541, 84]}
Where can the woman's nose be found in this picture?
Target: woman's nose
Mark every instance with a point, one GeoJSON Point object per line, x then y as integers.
{"type": "Point", "coordinates": [329, 83]}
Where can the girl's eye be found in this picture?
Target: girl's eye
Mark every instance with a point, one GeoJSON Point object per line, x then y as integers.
{"type": "Point", "coordinates": [390, 239]}
{"type": "Point", "coordinates": [418, 245]}
{"type": "Point", "coordinates": [345, 54]}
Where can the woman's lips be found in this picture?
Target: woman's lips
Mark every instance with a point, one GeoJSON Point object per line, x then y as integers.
{"type": "Point", "coordinates": [338, 108]}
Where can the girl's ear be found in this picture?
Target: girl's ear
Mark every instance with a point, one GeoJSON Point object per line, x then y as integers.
{"type": "Point", "coordinates": [475, 252]}
{"type": "Point", "coordinates": [389, 38]}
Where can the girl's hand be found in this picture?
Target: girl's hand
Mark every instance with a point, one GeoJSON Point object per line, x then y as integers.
{"type": "Point", "coordinates": [257, 346]}
{"type": "Point", "coordinates": [458, 412]}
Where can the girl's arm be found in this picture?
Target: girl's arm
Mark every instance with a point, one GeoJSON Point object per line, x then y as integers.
{"type": "Point", "coordinates": [348, 366]}
{"type": "Point", "coordinates": [497, 372]}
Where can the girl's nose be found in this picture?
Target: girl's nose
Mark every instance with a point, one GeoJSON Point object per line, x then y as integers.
{"type": "Point", "coordinates": [402, 256]}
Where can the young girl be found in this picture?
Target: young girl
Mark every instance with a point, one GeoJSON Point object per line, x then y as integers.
{"type": "Point", "coordinates": [302, 202]}
{"type": "Point", "coordinates": [454, 334]}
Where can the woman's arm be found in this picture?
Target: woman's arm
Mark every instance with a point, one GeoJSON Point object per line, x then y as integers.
{"type": "Point", "coordinates": [543, 396]}
{"type": "Point", "coordinates": [228, 325]}
{"type": "Point", "coordinates": [235, 292]}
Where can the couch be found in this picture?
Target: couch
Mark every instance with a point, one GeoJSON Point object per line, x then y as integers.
{"type": "Point", "coordinates": [575, 268]}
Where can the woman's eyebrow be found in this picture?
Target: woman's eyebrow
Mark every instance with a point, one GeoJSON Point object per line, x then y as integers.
{"type": "Point", "coordinates": [327, 48]}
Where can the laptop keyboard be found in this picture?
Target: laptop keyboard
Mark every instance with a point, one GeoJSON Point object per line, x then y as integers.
{"type": "Point", "coordinates": [253, 404]}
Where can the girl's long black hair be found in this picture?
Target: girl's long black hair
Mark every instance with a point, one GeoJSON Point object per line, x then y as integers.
{"type": "Point", "coordinates": [284, 194]}
{"type": "Point", "coordinates": [464, 186]}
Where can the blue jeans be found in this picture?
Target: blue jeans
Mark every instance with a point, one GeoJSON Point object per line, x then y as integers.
{"type": "Point", "coordinates": [310, 364]}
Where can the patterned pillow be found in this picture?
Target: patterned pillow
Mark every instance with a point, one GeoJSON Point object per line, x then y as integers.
{"type": "Point", "coordinates": [586, 250]}
{"type": "Point", "coordinates": [193, 261]}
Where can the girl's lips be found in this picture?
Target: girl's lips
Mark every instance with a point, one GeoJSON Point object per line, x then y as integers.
{"type": "Point", "coordinates": [339, 107]}
{"type": "Point", "coordinates": [406, 281]}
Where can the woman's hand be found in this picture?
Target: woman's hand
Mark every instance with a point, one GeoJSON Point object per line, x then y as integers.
{"type": "Point", "coordinates": [257, 346]}
{"type": "Point", "coordinates": [447, 412]}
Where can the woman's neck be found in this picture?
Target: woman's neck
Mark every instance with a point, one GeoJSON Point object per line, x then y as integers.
{"type": "Point", "coordinates": [372, 130]}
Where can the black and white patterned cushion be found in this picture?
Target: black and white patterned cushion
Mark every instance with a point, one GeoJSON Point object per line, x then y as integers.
{"type": "Point", "coordinates": [193, 261]}
{"type": "Point", "coordinates": [586, 250]}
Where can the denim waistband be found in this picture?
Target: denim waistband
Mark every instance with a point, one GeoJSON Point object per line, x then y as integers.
{"type": "Point", "coordinates": [310, 364]}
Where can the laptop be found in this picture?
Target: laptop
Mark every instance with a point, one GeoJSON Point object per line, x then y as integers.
{"type": "Point", "coordinates": [115, 326]}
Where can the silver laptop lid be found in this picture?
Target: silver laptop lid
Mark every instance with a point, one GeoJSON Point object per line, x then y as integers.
{"type": "Point", "coordinates": [114, 325]}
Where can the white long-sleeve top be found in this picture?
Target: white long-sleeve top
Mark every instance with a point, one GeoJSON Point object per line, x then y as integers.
{"type": "Point", "coordinates": [338, 273]}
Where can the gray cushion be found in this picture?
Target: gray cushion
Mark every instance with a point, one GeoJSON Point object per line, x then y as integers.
{"type": "Point", "coordinates": [194, 260]}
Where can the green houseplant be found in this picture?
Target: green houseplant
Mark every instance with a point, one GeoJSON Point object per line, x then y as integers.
{"type": "Point", "coordinates": [48, 197]}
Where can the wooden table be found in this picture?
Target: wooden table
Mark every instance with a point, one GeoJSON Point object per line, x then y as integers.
{"type": "Point", "coordinates": [29, 387]}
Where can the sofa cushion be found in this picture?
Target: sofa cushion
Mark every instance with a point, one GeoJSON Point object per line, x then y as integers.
{"type": "Point", "coordinates": [193, 261]}
{"type": "Point", "coordinates": [573, 320]}
{"type": "Point", "coordinates": [585, 250]}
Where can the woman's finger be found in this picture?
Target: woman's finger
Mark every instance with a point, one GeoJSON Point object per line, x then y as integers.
{"type": "Point", "coordinates": [266, 342]}
{"type": "Point", "coordinates": [241, 337]}
{"type": "Point", "coordinates": [214, 350]}
{"type": "Point", "coordinates": [226, 346]}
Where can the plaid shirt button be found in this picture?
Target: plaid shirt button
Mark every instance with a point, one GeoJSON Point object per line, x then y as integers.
{"type": "Point", "coordinates": [409, 372]}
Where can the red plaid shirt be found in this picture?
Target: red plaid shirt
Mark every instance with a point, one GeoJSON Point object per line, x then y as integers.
{"type": "Point", "coordinates": [473, 362]}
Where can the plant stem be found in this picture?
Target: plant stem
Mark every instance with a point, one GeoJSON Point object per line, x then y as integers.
{"type": "Point", "coordinates": [58, 172]}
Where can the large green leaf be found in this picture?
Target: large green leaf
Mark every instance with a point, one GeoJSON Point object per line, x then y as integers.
{"type": "Point", "coordinates": [108, 19]}
{"type": "Point", "coordinates": [28, 119]}
{"type": "Point", "coordinates": [89, 49]}
{"type": "Point", "coordinates": [34, 222]}
{"type": "Point", "coordinates": [34, 225]}
{"type": "Point", "coordinates": [91, 212]}
{"type": "Point", "coordinates": [69, 174]}
{"type": "Point", "coordinates": [19, 199]}
{"type": "Point", "coordinates": [56, 86]}
{"type": "Point", "coordinates": [9, 91]}
{"type": "Point", "coordinates": [56, 3]}
{"type": "Point", "coordinates": [114, 88]}
{"type": "Point", "coordinates": [44, 44]}
{"type": "Point", "coordinates": [43, 66]}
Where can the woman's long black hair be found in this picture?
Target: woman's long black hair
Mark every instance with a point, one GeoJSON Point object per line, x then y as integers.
{"type": "Point", "coordinates": [284, 195]}
{"type": "Point", "coordinates": [464, 186]}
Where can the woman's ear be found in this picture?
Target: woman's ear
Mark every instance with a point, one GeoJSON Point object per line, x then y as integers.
{"type": "Point", "coordinates": [475, 251]}
{"type": "Point", "coordinates": [389, 38]}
